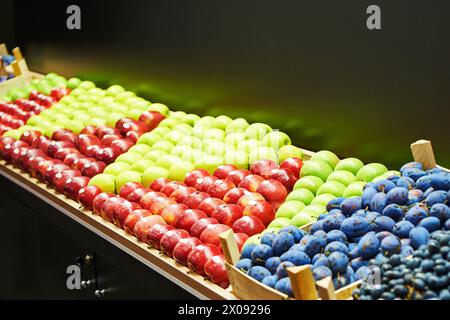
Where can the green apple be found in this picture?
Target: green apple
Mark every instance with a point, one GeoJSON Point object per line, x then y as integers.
{"type": "Point", "coordinates": [73, 83]}
{"type": "Point", "coordinates": [162, 131]}
{"type": "Point", "coordinates": [116, 168]}
{"type": "Point", "coordinates": [289, 209]}
{"type": "Point", "coordinates": [276, 140]}
{"type": "Point", "coordinates": [191, 141]}
{"type": "Point", "coordinates": [233, 139]}
{"type": "Point", "coordinates": [166, 161]}
{"type": "Point", "coordinates": [119, 108]}
{"type": "Point", "coordinates": [316, 168]}
{"type": "Point", "coordinates": [183, 127]}
{"type": "Point", "coordinates": [387, 175]}
{"type": "Point", "coordinates": [127, 176]}
{"type": "Point", "coordinates": [129, 157]}
{"type": "Point", "coordinates": [254, 239]}
{"type": "Point", "coordinates": [354, 189]}
{"type": "Point", "coordinates": [86, 85]}
{"type": "Point", "coordinates": [14, 133]}
{"type": "Point", "coordinates": [149, 139]}
{"type": "Point", "coordinates": [312, 183]}
{"type": "Point", "coordinates": [301, 219]}
{"type": "Point", "coordinates": [105, 101]}
{"type": "Point", "coordinates": [323, 199]}
{"type": "Point", "coordinates": [179, 169]}
{"type": "Point", "coordinates": [199, 132]}
{"type": "Point", "coordinates": [193, 155]}
{"type": "Point", "coordinates": [206, 122]}
{"type": "Point", "coordinates": [350, 164]}
{"type": "Point", "coordinates": [154, 154]}
{"type": "Point", "coordinates": [159, 107]}
{"type": "Point", "coordinates": [132, 101]}
{"type": "Point", "coordinates": [106, 182]}
{"type": "Point", "coordinates": [153, 173]}
{"type": "Point", "coordinates": [238, 158]}
{"type": "Point", "coordinates": [82, 117]}
{"type": "Point", "coordinates": [327, 156]}
{"type": "Point", "coordinates": [190, 119]}
{"type": "Point", "coordinates": [75, 126]}
{"type": "Point", "coordinates": [179, 150]}
{"type": "Point", "coordinates": [314, 210]}
{"type": "Point", "coordinates": [174, 136]}
{"type": "Point", "coordinates": [263, 153]}
{"type": "Point", "coordinates": [344, 177]}
{"type": "Point", "coordinates": [249, 145]}
{"type": "Point", "coordinates": [209, 163]}
{"type": "Point", "coordinates": [50, 129]}
{"type": "Point", "coordinates": [333, 187]}
{"type": "Point", "coordinates": [177, 115]}
{"type": "Point", "coordinates": [164, 145]}
{"type": "Point", "coordinates": [289, 151]}
{"type": "Point", "coordinates": [143, 149]}
{"type": "Point", "coordinates": [142, 165]}
{"type": "Point", "coordinates": [133, 113]}
{"type": "Point", "coordinates": [122, 96]}
{"type": "Point", "coordinates": [67, 100]}
{"type": "Point", "coordinates": [96, 92]}
{"type": "Point", "coordinates": [237, 125]}
{"type": "Point", "coordinates": [371, 171]}
{"type": "Point", "coordinates": [114, 90]}
{"type": "Point", "coordinates": [78, 92]}
{"type": "Point", "coordinates": [215, 134]}
{"type": "Point", "coordinates": [279, 223]}
{"type": "Point", "coordinates": [257, 131]}
{"type": "Point", "coordinates": [223, 121]}
{"type": "Point", "coordinates": [215, 148]}
{"type": "Point", "coordinates": [96, 122]}
{"type": "Point", "coordinates": [169, 123]}
{"type": "Point", "coordinates": [271, 230]}
{"type": "Point", "coordinates": [302, 194]}
{"type": "Point", "coordinates": [113, 118]}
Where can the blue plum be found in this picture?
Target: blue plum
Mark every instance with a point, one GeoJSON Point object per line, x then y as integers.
{"type": "Point", "coordinates": [428, 192]}
{"type": "Point", "coordinates": [282, 269]}
{"type": "Point", "coordinates": [297, 247]}
{"type": "Point", "coordinates": [313, 245]}
{"type": "Point", "coordinates": [436, 197]}
{"type": "Point", "coordinates": [298, 258]}
{"type": "Point", "coordinates": [354, 252]}
{"type": "Point", "coordinates": [342, 280]}
{"type": "Point", "coordinates": [272, 263]}
{"type": "Point", "coordinates": [383, 234]}
{"type": "Point", "coordinates": [384, 185]}
{"type": "Point", "coordinates": [321, 272]}
{"type": "Point", "coordinates": [430, 223]}
{"type": "Point", "coordinates": [362, 273]}
{"type": "Point", "coordinates": [247, 251]}
{"type": "Point", "coordinates": [336, 235]}
{"type": "Point", "coordinates": [284, 286]}
{"type": "Point", "coordinates": [335, 203]}
{"type": "Point", "coordinates": [369, 246]}
{"type": "Point", "coordinates": [413, 173]}
{"type": "Point", "coordinates": [323, 261]}
{"type": "Point", "coordinates": [406, 183]}
{"type": "Point", "coordinates": [441, 181]}
{"type": "Point", "coordinates": [406, 251]}
{"type": "Point", "coordinates": [414, 196]}
{"type": "Point", "coordinates": [359, 262]}
{"type": "Point", "coordinates": [267, 238]}
{"type": "Point", "coordinates": [367, 195]}
{"type": "Point", "coordinates": [447, 224]}
{"type": "Point", "coordinates": [378, 202]}
{"type": "Point", "coordinates": [440, 211]}
{"type": "Point", "coordinates": [282, 243]}
{"type": "Point", "coordinates": [394, 211]}
{"type": "Point", "coordinates": [338, 262]}
{"type": "Point", "coordinates": [258, 273]}
{"type": "Point", "coordinates": [270, 281]}
{"type": "Point", "coordinates": [260, 254]}
{"type": "Point", "coordinates": [416, 213]}
{"type": "Point", "coordinates": [419, 236]}
{"type": "Point", "coordinates": [397, 195]}
{"type": "Point", "coordinates": [336, 246]}
{"type": "Point", "coordinates": [423, 183]}
{"type": "Point", "coordinates": [331, 223]}
{"type": "Point", "coordinates": [316, 226]}
{"type": "Point", "coordinates": [355, 226]}
{"type": "Point", "coordinates": [409, 165]}
{"type": "Point", "coordinates": [383, 223]}
{"type": "Point", "coordinates": [244, 264]}
{"type": "Point", "coordinates": [402, 229]}
{"type": "Point", "coordinates": [391, 245]}
{"type": "Point", "coordinates": [350, 205]}
{"type": "Point", "coordinates": [361, 213]}
{"type": "Point", "coordinates": [317, 257]}
{"type": "Point", "coordinates": [294, 231]}
{"type": "Point", "coordinates": [321, 234]}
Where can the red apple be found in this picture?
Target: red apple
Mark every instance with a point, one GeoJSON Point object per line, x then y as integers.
{"type": "Point", "coordinates": [99, 201]}
{"type": "Point", "coordinates": [223, 171]}
{"type": "Point", "coordinates": [285, 177]}
{"type": "Point", "coordinates": [107, 211]}
{"type": "Point", "coordinates": [133, 218]}
{"type": "Point", "coordinates": [4, 141]}
{"type": "Point", "coordinates": [160, 203]}
{"type": "Point", "coordinates": [194, 199]}
{"type": "Point", "coordinates": [211, 233]}
{"type": "Point", "coordinates": [158, 184]}
{"type": "Point", "coordinates": [8, 150]}
{"type": "Point", "coordinates": [260, 209]}
{"type": "Point", "coordinates": [136, 195]}
{"type": "Point", "coordinates": [188, 218]}
{"type": "Point", "coordinates": [51, 171]}
{"type": "Point", "coordinates": [108, 139]}
{"type": "Point", "coordinates": [122, 210]}
{"type": "Point", "coordinates": [81, 163]}
{"type": "Point", "coordinates": [121, 122]}
{"type": "Point", "coordinates": [43, 143]}
{"type": "Point", "coordinates": [88, 130]}
{"type": "Point", "coordinates": [171, 239]}
{"type": "Point", "coordinates": [227, 214]}
{"type": "Point", "coordinates": [60, 179]}
{"type": "Point", "coordinates": [30, 137]}
{"type": "Point", "coordinates": [198, 257]}
{"type": "Point", "coordinates": [123, 144]}
{"type": "Point", "coordinates": [198, 227]}
{"type": "Point", "coordinates": [220, 187]}
{"type": "Point", "coordinates": [64, 135]}
{"type": "Point", "coordinates": [263, 168]}
{"type": "Point", "coordinates": [73, 186]}
{"type": "Point", "coordinates": [148, 198]}
{"type": "Point", "coordinates": [216, 271]}
{"type": "Point", "coordinates": [33, 165]}
{"type": "Point", "coordinates": [170, 187]}
{"type": "Point", "coordinates": [133, 125]}
{"type": "Point", "coordinates": [44, 166]}
{"type": "Point", "coordinates": [293, 164]}
{"type": "Point", "coordinates": [129, 187]}
{"type": "Point", "coordinates": [272, 191]}
{"type": "Point", "coordinates": [156, 232]}
{"type": "Point", "coordinates": [27, 155]}
{"type": "Point", "coordinates": [56, 145]}
{"type": "Point", "coordinates": [249, 225]}
{"type": "Point", "coordinates": [240, 239]}
{"type": "Point", "coordinates": [133, 135]}
{"type": "Point", "coordinates": [142, 228]}
{"type": "Point", "coordinates": [209, 205]}
{"type": "Point", "coordinates": [204, 183]}
{"type": "Point", "coordinates": [183, 248]}
{"type": "Point", "coordinates": [108, 154]}
{"type": "Point", "coordinates": [86, 196]}
{"type": "Point", "coordinates": [237, 176]}
{"type": "Point", "coordinates": [233, 195]}
{"type": "Point", "coordinates": [93, 151]}
{"type": "Point", "coordinates": [70, 159]}
{"type": "Point", "coordinates": [181, 194]}
{"type": "Point", "coordinates": [151, 119]}
{"type": "Point", "coordinates": [247, 198]}
{"type": "Point", "coordinates": [191, 177]}
{"type": "Point", "coordinates": [62, 153]}
{"type": "Point", "coordinates": [58, 93]}
{"type": "Point", "coordinates": [251, 182]}
{"type": "Point", "coordinates": [171, 213]}
{"type": "Point", "coordinates": [104, 130]}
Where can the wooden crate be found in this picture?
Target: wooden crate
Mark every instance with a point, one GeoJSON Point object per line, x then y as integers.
{"type": "Point", "coordinates": [303, 285]}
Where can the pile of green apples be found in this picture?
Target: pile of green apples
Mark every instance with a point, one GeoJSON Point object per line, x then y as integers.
{"type": "Point", "coordinates": [184, 142]}
{"type": "Point", "coordinates": [322, 178]}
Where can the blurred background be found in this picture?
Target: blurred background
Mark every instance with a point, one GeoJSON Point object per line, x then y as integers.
{"type": "Point", "coordinates": [309, 68]}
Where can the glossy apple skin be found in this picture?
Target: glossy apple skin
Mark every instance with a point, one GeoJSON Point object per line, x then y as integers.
{"type": "Point", "coordinates": [99, 201]}
{"type": "Point", "coordinates": [285, 177]}
{"type": "Point", "coordinates": [56, 145]}
{"type": "Point", "coordinates": [72, 186]}
{"type": "Point", "coordinates": [160, 203]}
{"type": "Point", "coordinates": [273, 191]}
{"type": "Point", "coordinates": [104, 130]}
{"type": "Point", "coordinates": [227, 214]}
{"type": "Point", "coordinates": [123, 144]}
{"type": "Point", "coordinates": [33, 166]}
{"type": "Point", "coordinates": [233, 195]}
{"type": "Point", "coordinates": [294, 165]}
{"type": "Point", "coordinates": [171, 213]}
{"type": "Point", "coordinates": [108, 139]}
{"type": "Point", "coordinates": [156, 232]}
{"type": "Point", "coordinates": [122, 210]}
{"type": "Point", "coordinates": [219, 188]}
{"type": "Point", "coordinates": [94, 151]}
{"type": "Point", "coordinates": [251, 182]}
{"type": "Point", "coordinates": [93, 169]}
{"type": "Point", "coordinates": [60, 179]}
{"type": "Point", "coordinates": [170, 187]}
{"type": "Point", "coordinates": [86, 196]}
{"type": "Point", "coordinates": [240, 240]}
{"type": "Point", "coordinates": [88, 130]}
{"type": "Point", "coordinates": [64, 135]}
{"type": "Point", "coordinates": [181, 194]}
{"type": "Point", "coordinates": [151, 119]}
{"type": "Point", "coordinates": [248, 225]}
{"type": "Point", "coordinates": [158, 184]}
{"type": "Point", "coordinates": [223, 171]}
{"type": "Point", "coordinates": [263, 168]}
{"type": "Point", "coordinates": [194, 199]}
{"type": "Point", "coordinates": [209, 205]}
{"type": "Point", "coordinates": [43, 143]}
{"type": "Point", "coordinates": [198, 257]}
{"type": "Point", "coordinates": [70, 159]}
{"type": "Point", "coordinates": [143, 226]}
{"type": "Point", "coordinates": [260, 209]}
{"type": "Point", "coordinates": [129, 187]}
{"type": "Point", "coordinates": [183, 248]}
{"type": "Point", "coordinates": [133, 135]}
{"type": "Point", "coordinates": [192, 177]}
{"type": "Point", "coordinates": [45, 166]}
{"type": "Point", "coordinates": [237, 176]}
{"type": "Point", "coordinates": [148, 198]}
{"type": "Point", "coordinates": [216, 271]}
{"type": "Point", "coordinates": [188, 218]}
{"type": "Point", "coordinates": [81, 163]}
{"type": "Point", "coordinates": [107, 154]}
{"type": "Point", "coordinates": [126, 125]}
{"type": "Point", "coordinates": [198, 227]}
{"type": "Point", "coordinates": [248, 198]}
{"type": "Point", "coordinates": [107, 211]}
{"type": "Point", "coordinates": [171, 239]}
{"type": "Point", "coordinates": [137, 194]}
{"type": "Point", "coordinates": [204, 183]}
{"type": "Point", "coordinates": [30, 137]}
{"type": "Point", "coordinates": [62, 153]}
{"type": "Point", "coordinates": [133, 218]}
{"type": "Point", "coordinates": [211, 233]}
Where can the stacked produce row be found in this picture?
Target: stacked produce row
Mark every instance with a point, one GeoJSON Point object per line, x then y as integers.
{"type": "Point", "coordinates": [5, 60]}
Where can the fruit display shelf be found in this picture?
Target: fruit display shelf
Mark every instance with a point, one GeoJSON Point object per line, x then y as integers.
{"type": "Point", "coordinates": [304, 286]}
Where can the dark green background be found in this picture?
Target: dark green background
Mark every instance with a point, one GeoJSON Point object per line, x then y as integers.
{"type": "Point", "coordinates": [310, 68]}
